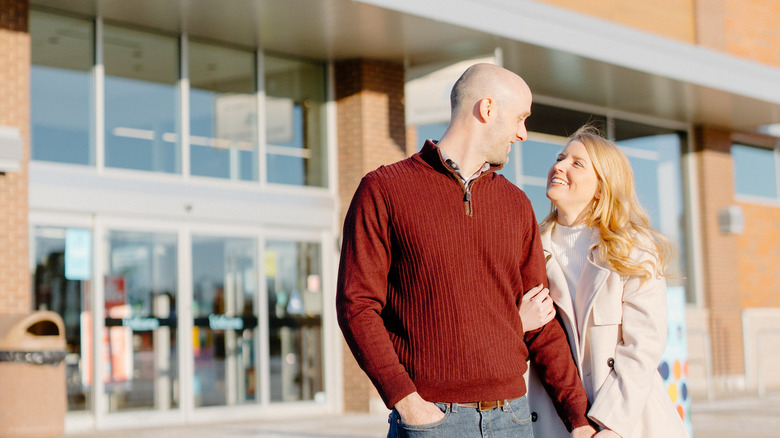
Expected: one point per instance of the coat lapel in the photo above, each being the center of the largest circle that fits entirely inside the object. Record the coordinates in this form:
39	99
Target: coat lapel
559	291
590	283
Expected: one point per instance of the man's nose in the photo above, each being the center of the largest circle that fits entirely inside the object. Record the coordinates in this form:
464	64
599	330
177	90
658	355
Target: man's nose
522	133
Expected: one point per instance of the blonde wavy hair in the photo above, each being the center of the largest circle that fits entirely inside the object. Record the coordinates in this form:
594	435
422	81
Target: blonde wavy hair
616	212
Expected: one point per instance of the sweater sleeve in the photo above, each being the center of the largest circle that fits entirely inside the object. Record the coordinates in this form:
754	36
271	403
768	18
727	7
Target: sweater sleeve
361	293
549	350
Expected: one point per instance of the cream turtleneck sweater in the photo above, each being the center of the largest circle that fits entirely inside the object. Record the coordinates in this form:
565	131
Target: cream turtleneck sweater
570	246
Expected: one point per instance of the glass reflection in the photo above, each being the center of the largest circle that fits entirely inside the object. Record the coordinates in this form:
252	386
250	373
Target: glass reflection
141	100
223	112
294	275
57	288
295	120
140	353
755	172
62	54
225	322
655	155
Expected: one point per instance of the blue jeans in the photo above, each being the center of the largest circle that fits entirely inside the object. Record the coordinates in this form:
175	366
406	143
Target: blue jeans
513	420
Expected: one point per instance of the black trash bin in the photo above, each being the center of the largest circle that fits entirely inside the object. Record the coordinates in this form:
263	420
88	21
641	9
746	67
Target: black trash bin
32	376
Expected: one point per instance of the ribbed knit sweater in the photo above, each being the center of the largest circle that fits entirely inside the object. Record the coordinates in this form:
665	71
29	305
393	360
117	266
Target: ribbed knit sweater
430	281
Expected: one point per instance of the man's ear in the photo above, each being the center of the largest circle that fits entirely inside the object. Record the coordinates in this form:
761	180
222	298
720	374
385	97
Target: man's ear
486	108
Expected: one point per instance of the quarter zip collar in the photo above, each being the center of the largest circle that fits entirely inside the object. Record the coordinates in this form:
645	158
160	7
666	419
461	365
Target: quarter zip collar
436	158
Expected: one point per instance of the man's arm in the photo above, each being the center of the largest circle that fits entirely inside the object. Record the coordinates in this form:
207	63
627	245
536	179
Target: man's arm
548	347
551	357
362	292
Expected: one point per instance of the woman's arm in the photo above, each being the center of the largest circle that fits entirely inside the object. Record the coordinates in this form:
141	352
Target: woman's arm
536	308
624	394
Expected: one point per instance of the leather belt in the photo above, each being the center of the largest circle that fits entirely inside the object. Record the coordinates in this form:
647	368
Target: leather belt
484	405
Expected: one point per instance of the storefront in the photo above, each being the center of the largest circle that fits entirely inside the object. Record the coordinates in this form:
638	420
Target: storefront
190	165
182	223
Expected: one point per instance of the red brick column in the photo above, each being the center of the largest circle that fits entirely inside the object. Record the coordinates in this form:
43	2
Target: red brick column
371	132
720	255
14	112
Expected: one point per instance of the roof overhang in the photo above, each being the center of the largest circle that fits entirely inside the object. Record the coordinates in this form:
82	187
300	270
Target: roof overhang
564	56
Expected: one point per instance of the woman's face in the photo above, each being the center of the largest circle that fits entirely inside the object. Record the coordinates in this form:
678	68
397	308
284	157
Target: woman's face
572	183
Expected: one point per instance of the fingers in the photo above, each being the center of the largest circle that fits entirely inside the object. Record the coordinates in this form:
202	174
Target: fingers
549	317
531	293
537	294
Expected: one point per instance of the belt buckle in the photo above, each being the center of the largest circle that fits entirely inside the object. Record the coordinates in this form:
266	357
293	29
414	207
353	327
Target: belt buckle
486	405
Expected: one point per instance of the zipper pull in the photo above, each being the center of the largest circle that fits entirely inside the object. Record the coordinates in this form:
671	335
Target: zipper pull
467	199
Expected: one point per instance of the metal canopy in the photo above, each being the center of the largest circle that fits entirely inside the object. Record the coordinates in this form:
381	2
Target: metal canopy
592	63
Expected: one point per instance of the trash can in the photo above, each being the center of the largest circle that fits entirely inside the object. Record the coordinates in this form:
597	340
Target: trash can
32	376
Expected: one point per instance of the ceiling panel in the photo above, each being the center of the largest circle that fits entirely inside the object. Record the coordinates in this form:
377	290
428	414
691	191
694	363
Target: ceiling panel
332	30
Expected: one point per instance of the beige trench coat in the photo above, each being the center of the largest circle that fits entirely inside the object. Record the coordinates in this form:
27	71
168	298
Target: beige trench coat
617	340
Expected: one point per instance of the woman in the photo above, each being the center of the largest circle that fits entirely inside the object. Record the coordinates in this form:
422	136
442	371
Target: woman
605	266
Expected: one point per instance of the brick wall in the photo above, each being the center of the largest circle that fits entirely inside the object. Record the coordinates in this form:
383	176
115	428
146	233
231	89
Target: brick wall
371	132
719	251
744	28
759	256
668	18
14	112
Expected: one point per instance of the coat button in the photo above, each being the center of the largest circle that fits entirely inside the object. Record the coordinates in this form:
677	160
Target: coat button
534	417
611	362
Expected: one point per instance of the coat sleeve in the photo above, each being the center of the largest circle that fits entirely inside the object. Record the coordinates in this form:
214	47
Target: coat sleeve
361	293
625	392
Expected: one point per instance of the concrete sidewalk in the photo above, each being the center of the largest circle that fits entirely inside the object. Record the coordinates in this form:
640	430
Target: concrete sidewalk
743	417
726	418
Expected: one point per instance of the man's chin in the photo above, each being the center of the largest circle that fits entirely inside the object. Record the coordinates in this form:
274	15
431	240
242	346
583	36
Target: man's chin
499	162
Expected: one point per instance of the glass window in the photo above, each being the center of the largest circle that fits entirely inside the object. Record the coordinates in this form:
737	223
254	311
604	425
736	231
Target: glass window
224	290
141	361
62	51
294	275
295	121
60	273
432	131
141	100
534	158
755	171
529	161
655	156
560	122
223	112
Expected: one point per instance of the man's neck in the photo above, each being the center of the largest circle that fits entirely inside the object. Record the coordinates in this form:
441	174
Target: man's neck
469	163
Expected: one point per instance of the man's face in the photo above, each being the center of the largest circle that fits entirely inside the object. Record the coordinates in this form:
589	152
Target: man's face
508	124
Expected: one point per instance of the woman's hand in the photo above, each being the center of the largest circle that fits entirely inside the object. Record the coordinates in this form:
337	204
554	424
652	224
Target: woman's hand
536	308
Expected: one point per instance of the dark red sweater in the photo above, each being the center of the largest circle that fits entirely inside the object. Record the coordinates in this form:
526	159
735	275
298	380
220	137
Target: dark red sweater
428	294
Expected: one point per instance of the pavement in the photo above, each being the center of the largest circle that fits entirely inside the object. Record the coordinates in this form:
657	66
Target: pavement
743	417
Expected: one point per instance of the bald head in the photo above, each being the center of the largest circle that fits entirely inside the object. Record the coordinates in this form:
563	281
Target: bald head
485	80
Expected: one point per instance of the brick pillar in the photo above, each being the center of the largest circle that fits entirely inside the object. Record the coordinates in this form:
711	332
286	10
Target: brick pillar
14	112
720	253
371	132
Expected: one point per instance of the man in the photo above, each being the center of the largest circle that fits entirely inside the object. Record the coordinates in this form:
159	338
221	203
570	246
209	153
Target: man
437	251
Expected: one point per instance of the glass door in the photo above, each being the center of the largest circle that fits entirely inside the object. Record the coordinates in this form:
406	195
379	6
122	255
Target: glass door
224	273
140	351
294	280
61	272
